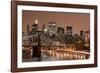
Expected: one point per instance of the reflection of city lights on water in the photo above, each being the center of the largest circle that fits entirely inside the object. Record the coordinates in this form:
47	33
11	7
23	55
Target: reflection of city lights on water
31	52
57	54
62	55
81	57
84	57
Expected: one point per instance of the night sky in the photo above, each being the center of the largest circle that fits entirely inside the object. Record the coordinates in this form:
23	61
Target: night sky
78	21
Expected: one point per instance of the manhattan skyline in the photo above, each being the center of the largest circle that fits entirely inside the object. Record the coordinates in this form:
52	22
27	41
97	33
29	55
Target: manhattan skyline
80	21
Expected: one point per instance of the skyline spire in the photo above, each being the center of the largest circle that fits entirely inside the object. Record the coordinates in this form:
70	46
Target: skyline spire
36	21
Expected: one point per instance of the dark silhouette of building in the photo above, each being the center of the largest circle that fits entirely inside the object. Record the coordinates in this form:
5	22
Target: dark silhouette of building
87	40
43	27
87	36
82	33
60	30
52	28
82	39
69	30
23	34
69	36
27	29
35	26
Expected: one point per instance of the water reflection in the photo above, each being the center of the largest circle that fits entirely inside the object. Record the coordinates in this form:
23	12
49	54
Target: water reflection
53	54
57	55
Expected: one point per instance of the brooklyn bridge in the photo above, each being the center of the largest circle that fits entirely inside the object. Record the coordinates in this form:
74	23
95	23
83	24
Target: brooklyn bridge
54	53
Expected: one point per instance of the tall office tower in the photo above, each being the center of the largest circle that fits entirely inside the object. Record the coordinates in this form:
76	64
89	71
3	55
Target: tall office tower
69	37
82	34
87	36
87	40
60	30
60	35
36	40
52	28
23	34
69	30
35	26
27	29
43	27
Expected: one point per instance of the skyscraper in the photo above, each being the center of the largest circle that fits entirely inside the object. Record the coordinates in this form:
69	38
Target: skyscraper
69	30
87	40
69	37
35	26
52	28
82	34
87	36
27	29
60	30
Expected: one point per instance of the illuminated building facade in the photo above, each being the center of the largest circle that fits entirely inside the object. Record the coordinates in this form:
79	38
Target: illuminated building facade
35	26
60	30
69	30
52	28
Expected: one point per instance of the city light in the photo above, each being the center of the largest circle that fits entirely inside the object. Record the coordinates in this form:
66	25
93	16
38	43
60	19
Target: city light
53	43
